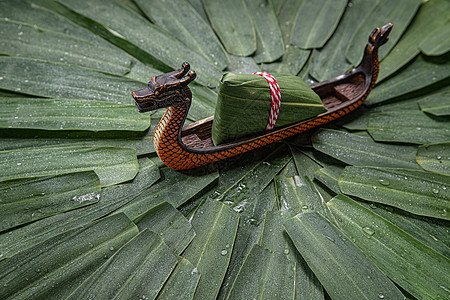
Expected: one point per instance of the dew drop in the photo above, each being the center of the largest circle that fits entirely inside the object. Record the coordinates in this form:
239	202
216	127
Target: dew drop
252	221
19	163
20	33
384	181
444	212
111	248
435	191
330	238
1	78
439	157
286	251
374	187
381	296
239	208
368	230
224	252
305	207
444	187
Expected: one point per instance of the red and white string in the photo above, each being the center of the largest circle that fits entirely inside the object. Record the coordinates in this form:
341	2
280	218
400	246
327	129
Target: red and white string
276	98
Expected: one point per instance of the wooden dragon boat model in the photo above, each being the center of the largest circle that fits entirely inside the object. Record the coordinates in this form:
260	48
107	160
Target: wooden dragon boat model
191	146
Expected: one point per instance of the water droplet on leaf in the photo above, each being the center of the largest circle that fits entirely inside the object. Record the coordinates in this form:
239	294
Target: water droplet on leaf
368	230
384	181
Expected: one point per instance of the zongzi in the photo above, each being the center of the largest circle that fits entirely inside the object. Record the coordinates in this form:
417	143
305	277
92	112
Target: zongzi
244	104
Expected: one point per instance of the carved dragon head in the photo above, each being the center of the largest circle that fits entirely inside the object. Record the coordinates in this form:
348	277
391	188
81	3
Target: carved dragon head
165	90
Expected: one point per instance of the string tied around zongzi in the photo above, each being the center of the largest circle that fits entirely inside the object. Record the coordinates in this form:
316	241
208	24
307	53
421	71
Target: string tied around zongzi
275	94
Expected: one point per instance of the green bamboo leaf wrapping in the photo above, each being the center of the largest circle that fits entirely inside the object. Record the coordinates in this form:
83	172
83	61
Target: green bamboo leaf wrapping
70	114
400	13
56	267
232	23
363	151
341	267
112	197
401	257
417	192
436	104
134	30
268	35
23	40
27	200
56	80
329	61
430	15
434	158
316	22
417	75
112	165
215	224
179	18
264	275
437	43
243	105
170	224
181	283
274	238
408	126
137	270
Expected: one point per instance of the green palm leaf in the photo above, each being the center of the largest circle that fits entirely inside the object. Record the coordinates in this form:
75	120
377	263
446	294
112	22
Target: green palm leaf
68	123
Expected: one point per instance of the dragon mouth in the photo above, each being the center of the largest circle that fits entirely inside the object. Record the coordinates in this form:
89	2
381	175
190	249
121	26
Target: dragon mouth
143	94
145	99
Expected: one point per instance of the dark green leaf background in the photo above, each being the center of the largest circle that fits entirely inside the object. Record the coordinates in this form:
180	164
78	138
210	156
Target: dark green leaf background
355	210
